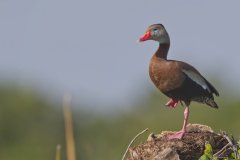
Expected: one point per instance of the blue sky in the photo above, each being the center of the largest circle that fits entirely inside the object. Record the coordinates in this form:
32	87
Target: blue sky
89	49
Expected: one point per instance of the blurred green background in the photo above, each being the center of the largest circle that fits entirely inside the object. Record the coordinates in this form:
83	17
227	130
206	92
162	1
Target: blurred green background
31	125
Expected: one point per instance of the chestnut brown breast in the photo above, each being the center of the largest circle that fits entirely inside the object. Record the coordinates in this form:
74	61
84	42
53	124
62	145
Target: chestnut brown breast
166	75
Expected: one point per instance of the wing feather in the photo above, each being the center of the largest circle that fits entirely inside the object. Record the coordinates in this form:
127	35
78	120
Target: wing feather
195	75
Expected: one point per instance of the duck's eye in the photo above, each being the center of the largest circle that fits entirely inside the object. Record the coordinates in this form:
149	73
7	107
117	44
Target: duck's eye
156	31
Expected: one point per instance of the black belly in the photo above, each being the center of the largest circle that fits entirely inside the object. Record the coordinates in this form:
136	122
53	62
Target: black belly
189	91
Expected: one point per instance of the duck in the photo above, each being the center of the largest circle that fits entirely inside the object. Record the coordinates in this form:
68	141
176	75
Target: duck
178	80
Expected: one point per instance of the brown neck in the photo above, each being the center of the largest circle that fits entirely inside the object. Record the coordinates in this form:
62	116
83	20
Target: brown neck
162	50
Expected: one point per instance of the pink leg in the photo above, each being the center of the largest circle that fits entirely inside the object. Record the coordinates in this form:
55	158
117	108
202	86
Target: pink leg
180	134
172	103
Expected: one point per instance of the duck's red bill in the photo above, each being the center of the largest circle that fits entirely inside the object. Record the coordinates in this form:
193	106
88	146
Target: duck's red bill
146	36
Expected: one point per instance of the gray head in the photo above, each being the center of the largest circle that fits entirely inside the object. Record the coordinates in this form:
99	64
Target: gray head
156	32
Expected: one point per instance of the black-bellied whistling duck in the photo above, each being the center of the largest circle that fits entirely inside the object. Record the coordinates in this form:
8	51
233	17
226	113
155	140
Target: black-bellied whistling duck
177	80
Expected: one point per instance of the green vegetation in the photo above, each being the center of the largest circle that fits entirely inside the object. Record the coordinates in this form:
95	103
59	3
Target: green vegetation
208	153
31	126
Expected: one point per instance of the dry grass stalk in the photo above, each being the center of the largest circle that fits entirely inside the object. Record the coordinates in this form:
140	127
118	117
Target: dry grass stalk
132	142
58	152
71	153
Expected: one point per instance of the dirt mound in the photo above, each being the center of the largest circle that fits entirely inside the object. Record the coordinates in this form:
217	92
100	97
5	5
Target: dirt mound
191	147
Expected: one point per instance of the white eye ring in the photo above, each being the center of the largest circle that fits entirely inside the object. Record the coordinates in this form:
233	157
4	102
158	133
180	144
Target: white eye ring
156	32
